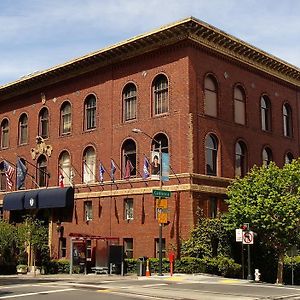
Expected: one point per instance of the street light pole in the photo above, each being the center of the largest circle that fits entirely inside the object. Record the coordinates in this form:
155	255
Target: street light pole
137	130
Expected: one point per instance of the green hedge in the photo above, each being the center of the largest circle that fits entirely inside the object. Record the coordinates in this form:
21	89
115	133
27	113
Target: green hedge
223	266
291	263
60	266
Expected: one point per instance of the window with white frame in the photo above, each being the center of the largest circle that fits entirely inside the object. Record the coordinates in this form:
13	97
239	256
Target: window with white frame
44	123
163	247
128	209
63	247
90	112
160	95
65	118
65	167
88	210
23	129
128	247
129	102
89	165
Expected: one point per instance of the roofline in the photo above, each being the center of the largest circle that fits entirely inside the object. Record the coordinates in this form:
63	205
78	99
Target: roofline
188	28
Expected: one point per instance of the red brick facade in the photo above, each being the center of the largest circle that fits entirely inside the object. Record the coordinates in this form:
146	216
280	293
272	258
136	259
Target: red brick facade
185	62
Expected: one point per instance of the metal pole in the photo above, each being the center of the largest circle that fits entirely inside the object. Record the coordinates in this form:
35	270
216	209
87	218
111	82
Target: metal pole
71	256
160	225
249	277
243	261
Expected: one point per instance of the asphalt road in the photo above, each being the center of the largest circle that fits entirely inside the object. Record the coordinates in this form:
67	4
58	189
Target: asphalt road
160	288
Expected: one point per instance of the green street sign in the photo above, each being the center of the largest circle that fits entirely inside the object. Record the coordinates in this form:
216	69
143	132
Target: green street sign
161	193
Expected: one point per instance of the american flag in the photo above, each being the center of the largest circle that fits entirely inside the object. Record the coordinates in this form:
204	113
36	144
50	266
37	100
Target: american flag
128	169
61	180
9	173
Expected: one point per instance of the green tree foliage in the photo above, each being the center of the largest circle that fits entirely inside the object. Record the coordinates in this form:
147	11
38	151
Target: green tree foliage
268	199
32	233
208	239
7	242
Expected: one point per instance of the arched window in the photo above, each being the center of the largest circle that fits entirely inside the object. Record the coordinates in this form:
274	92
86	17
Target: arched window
65	167
239	105
23	129
44	123
265	111
162	139
42	173
288	158
160	95
211	96
89	165
90	112
4	133
240	159
65	118
129	102
266	156
129	158
287	120
211	154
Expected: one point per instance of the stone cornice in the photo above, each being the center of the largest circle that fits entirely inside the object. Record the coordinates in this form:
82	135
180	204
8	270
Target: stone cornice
188	29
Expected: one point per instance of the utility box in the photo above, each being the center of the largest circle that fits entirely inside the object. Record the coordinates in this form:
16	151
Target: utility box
141	266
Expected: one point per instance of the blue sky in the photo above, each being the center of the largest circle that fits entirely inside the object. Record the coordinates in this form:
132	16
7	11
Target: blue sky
38	34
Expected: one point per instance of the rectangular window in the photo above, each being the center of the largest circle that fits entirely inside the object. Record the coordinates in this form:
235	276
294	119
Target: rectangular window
128	247
128	209
63	247
163	244
88	210
213	207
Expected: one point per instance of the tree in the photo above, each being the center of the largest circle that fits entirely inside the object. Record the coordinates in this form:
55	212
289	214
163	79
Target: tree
7	242
32	234
208	239
268	199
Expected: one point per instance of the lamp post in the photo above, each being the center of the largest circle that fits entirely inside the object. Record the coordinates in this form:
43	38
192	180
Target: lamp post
137	130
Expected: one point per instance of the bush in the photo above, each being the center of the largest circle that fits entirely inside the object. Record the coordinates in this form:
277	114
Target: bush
291	263
55	266
221	265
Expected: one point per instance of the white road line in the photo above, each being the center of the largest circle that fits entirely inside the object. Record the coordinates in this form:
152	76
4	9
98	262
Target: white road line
36	293
154	284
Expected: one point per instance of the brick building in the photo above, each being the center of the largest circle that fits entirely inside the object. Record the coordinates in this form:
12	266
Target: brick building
216	104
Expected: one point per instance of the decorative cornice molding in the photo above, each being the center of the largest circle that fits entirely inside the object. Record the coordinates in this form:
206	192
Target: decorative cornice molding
187	29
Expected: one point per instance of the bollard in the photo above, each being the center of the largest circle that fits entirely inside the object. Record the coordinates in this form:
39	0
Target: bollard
256	275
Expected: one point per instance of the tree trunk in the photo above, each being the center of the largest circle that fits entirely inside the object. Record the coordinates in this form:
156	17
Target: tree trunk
279	279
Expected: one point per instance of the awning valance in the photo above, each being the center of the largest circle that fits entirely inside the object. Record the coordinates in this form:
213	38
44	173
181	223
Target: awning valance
13	201
46	198
61	197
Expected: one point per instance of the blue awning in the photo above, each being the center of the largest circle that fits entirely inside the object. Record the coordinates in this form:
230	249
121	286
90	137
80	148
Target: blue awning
13	201
57	197
31	199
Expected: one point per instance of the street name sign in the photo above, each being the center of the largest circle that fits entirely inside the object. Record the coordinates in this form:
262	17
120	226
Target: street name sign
161	193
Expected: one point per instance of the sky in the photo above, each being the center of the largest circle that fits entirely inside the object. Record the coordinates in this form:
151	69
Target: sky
39	34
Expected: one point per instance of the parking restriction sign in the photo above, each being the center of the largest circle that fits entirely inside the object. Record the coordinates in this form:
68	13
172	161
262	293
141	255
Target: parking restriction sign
248	237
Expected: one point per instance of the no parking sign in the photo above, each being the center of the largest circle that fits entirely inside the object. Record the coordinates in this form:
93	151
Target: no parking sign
248	237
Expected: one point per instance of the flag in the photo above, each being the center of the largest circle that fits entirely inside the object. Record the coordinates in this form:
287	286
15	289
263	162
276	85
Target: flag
113	169
101	172
9	173
146	171
128	169
21	173
61	180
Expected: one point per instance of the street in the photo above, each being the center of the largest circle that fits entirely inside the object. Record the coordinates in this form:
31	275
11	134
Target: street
114	288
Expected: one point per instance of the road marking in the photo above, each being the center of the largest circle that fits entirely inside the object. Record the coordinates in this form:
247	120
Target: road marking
154	284
36	293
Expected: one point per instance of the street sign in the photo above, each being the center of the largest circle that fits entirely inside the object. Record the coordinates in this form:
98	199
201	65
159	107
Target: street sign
239	235
248	237
162	210
161	193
